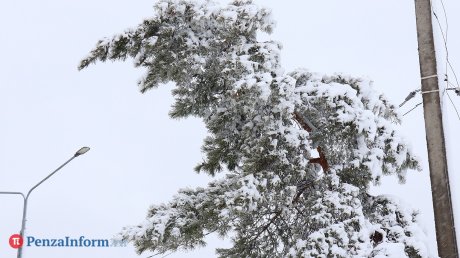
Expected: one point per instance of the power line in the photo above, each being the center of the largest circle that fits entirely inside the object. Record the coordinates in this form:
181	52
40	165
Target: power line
413	108
453	72
409	97
444	34
448	64
413	93
444	38
455	108
454	88
442	201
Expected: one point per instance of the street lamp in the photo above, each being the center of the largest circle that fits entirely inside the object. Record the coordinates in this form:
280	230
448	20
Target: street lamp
81	151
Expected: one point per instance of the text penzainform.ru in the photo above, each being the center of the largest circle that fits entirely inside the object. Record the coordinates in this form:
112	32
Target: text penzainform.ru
73	242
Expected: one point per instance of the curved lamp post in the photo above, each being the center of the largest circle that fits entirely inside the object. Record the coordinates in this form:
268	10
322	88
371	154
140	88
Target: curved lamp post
81	151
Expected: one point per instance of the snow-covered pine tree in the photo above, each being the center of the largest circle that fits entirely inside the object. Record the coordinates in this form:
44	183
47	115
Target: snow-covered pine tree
298	151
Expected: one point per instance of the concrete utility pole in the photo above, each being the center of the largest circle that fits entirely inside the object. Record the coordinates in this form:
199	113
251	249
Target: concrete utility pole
442	204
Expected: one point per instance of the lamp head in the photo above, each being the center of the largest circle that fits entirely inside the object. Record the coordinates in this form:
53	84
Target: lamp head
81	151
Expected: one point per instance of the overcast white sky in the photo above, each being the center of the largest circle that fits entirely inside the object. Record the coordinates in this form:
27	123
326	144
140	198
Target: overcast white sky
139	156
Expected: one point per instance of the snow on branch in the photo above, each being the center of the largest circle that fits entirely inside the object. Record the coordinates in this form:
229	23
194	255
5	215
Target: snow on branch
275	199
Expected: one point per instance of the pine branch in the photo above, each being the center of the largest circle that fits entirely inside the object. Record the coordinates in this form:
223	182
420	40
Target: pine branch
322	157
277	214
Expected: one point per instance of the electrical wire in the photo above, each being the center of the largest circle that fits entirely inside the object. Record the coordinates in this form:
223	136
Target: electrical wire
448	67
413	108
453	72
448	64
409	97
444	37
451	101
454	87
445	41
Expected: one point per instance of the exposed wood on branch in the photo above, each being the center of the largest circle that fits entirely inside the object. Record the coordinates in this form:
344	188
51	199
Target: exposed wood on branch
322	158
